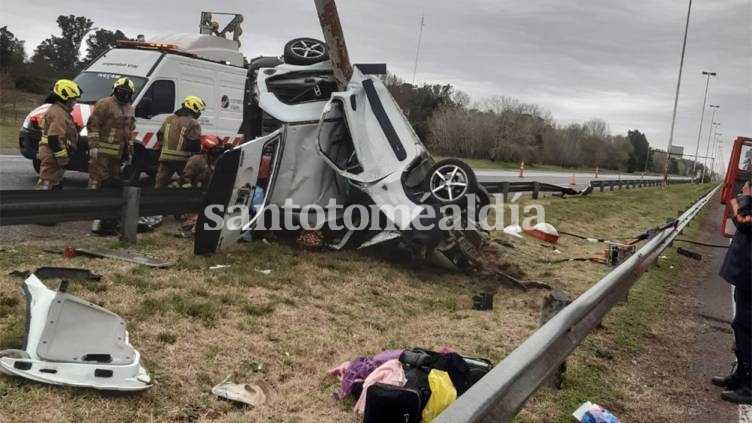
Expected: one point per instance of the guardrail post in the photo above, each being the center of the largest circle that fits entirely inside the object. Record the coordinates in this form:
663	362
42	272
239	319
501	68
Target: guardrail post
505	191
552	305
129	215
536	190
611	185
600	184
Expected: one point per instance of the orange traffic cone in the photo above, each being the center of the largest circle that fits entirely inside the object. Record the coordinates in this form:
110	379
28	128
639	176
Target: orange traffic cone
522	169
573	181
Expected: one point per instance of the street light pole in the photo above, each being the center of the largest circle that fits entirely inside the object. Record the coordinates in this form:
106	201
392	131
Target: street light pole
647	159
676	97
702	117
716	147
713	125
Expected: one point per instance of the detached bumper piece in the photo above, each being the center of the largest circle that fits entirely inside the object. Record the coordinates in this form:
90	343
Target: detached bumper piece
72	342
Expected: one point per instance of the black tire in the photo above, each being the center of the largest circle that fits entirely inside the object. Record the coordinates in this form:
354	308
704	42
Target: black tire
460	172
37	165
305	51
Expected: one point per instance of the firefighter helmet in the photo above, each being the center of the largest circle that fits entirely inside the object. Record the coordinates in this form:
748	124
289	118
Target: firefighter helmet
194	104
66	89
123	83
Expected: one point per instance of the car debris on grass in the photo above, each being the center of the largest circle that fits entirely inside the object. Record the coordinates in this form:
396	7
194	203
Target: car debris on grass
72	342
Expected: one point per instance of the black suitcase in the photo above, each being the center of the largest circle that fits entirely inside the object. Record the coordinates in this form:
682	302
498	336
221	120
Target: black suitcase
392	404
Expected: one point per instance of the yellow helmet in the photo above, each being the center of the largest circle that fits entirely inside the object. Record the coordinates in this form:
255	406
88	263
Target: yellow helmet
124	83
66	89
194	104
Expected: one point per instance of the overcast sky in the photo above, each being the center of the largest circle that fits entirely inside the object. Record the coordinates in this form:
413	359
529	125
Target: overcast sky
611	59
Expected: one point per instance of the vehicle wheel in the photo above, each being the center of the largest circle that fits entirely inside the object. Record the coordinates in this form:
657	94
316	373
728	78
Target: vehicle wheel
305	51
451	181
37	165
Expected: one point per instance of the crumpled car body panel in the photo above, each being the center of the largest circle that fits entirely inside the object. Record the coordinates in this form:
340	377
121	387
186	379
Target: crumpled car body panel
72	342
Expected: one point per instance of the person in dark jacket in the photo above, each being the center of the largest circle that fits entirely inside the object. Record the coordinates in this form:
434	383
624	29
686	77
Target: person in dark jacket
737	270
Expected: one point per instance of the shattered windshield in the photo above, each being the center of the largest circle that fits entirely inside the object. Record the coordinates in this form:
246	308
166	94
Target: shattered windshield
96	85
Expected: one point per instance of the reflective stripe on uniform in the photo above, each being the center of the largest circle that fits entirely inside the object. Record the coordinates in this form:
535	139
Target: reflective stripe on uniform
61	153
108	149
110	146
176	154
181	138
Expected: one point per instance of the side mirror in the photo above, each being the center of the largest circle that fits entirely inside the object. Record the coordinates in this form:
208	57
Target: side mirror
143	110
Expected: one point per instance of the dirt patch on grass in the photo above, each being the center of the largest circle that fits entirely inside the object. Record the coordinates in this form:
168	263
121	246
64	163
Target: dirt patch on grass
194	326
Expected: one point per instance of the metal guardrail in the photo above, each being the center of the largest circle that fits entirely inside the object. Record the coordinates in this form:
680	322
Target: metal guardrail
22	207
500	395
506	187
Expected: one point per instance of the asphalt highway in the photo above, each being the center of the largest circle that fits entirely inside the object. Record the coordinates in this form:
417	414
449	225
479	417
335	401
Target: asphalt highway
16	172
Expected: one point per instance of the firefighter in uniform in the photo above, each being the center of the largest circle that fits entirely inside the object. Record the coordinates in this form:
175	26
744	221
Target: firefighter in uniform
109	132
59	134
180	136
198	169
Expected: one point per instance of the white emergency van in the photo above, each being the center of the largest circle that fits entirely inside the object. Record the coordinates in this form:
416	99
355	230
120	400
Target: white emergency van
164	71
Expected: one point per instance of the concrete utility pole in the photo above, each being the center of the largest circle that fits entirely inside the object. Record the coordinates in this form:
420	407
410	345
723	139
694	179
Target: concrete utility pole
676	97
335	40
702	116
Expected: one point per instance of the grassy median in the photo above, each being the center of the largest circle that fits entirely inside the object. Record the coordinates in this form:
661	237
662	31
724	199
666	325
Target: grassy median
194	326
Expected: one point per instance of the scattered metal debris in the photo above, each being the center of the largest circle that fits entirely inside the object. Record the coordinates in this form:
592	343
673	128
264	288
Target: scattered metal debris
514	230
264	271
513	282
72	273
218	266
483	301
689	254
72	342
128	256
249	394
148	223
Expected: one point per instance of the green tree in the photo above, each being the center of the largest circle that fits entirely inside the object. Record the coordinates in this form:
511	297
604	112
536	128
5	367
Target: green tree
11	49
420	102
101	41
60	54
640	151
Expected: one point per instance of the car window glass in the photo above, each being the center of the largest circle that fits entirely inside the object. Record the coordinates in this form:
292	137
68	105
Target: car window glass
336	141
745	159
96	85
